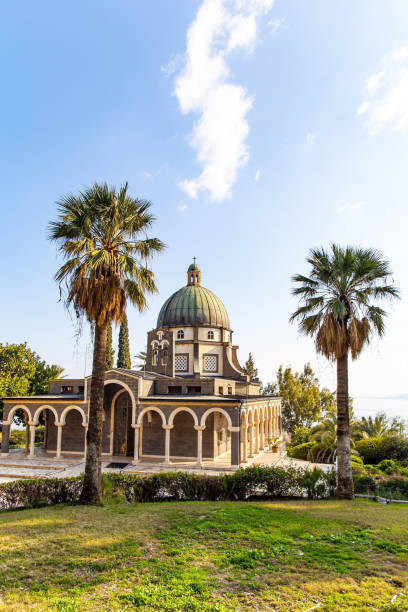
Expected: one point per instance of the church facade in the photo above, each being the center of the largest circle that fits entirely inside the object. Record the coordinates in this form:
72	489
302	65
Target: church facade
192	402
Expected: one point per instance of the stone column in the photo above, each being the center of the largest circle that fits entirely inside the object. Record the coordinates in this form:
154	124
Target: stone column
136	453
32	438
244	437
167	429
270	434
5	439
251	440
256	450
59	438
199	429
235	450
262	441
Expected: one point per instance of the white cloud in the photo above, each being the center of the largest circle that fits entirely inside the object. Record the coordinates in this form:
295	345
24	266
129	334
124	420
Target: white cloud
257	175
204	87
310	138
352	208
182	207
385	95
275	24
150	176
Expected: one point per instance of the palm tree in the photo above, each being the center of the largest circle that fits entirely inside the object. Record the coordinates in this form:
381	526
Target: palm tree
142	357
325	436
380	425
101	233
339	311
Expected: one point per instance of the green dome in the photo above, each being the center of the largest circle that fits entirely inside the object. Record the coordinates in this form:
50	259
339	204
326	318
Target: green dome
194	267
193	305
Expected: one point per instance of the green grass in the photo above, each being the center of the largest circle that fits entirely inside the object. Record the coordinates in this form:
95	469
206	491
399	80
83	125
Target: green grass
206	556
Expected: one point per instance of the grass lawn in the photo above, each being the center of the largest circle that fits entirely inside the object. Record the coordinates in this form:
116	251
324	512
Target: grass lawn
206	556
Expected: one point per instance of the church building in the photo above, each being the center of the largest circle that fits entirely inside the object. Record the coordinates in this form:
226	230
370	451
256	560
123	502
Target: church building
192	403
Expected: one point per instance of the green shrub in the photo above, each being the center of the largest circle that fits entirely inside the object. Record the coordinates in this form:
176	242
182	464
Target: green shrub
249	483
376	449
32	493
314	483
301	435
301	451
17	438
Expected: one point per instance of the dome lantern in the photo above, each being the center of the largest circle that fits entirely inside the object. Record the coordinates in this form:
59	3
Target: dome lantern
194	274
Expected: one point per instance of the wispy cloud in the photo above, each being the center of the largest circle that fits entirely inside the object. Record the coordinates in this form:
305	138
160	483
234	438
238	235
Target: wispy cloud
257	176
204	87
276	24
385	95
310	138
172	65
183	207
352	208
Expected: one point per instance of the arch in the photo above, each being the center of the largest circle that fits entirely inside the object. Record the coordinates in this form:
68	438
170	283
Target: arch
40	409
12	412
72	407
115	381
210	410
250	417
154	343
164	343
181	409
149	409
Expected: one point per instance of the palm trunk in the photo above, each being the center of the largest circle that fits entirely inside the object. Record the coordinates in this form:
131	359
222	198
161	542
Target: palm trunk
92	487
345	487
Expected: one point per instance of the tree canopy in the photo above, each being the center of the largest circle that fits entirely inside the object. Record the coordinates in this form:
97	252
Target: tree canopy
23	372
250	368
303	401
124	360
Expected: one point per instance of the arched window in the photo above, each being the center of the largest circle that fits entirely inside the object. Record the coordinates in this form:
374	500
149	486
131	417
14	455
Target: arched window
165	356
210	335
180	334
154	359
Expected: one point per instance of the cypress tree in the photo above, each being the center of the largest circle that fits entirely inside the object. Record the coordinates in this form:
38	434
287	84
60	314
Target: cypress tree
250	368
123	348
109	350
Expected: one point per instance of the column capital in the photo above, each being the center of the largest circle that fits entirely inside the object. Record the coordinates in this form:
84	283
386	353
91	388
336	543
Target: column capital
6	423
31	424
136	426
199	427
168	427
234	428
59	424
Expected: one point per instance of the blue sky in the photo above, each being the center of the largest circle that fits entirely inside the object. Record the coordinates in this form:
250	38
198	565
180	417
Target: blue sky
291	132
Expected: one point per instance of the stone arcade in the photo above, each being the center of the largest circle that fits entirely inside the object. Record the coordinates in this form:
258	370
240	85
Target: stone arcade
193	403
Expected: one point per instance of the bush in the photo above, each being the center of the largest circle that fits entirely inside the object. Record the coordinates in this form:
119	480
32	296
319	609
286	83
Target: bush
250	483
32	493
376	449
301	451
301	435
17	438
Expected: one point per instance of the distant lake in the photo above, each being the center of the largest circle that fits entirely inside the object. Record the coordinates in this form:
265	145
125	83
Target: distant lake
365	406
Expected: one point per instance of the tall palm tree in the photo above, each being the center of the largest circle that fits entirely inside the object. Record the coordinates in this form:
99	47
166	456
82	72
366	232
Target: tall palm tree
101	233
339	311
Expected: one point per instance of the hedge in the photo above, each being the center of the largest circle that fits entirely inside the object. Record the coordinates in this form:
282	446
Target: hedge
301	451
31	493
250	483
394	488
376	449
